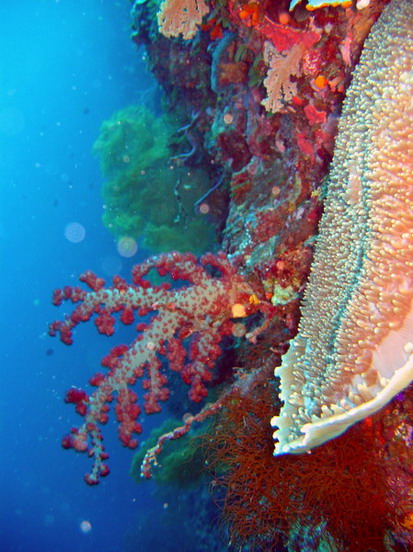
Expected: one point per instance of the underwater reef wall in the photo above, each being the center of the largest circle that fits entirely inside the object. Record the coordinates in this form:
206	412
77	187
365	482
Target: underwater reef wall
298	65
257	88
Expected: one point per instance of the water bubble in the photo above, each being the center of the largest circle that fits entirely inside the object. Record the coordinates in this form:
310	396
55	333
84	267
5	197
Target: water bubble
204	208
239	329
75	232
127	247
85	526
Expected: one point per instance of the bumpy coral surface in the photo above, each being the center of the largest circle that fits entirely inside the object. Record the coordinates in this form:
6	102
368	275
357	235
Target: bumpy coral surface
353	352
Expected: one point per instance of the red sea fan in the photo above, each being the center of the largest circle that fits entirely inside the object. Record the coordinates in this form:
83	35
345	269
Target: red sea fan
344	487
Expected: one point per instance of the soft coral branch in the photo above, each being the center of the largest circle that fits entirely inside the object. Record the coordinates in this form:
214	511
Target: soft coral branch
186	329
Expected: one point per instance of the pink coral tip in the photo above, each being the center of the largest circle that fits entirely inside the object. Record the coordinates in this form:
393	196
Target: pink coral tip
91	479
104	470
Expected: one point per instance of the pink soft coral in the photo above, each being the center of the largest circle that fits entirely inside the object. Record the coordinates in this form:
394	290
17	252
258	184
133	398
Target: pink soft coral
198	314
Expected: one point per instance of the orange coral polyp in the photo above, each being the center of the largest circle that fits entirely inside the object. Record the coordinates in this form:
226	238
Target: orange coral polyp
320	81
250	12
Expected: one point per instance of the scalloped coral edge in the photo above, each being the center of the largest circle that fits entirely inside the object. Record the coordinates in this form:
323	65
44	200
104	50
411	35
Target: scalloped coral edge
316	433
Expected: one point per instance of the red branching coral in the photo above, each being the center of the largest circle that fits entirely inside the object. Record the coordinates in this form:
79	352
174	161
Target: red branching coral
186	329
347	486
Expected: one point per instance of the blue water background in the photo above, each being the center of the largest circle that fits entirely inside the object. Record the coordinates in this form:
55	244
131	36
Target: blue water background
65	66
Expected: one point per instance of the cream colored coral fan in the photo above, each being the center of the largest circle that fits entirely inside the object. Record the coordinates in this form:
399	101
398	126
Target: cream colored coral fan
183	17
354	348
